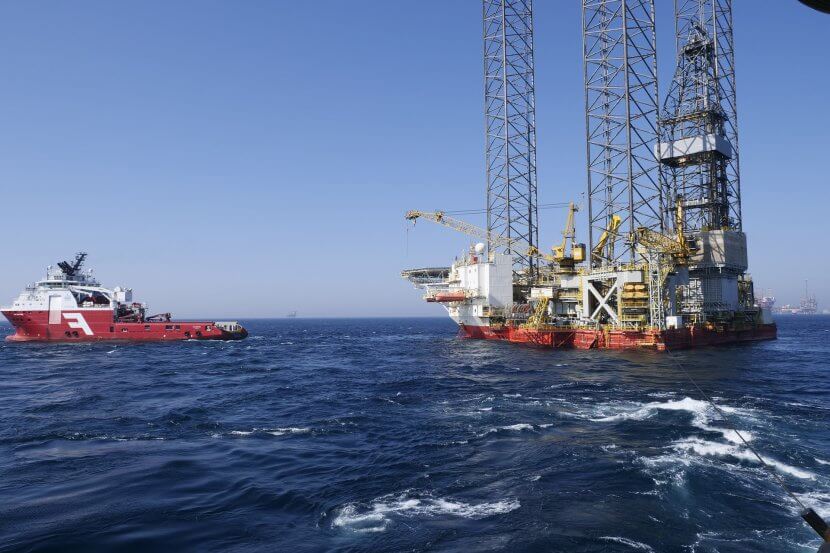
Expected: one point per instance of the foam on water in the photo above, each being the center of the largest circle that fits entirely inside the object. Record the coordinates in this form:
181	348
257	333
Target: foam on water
271	431
702	414
636	545
688	451
376	516
519	427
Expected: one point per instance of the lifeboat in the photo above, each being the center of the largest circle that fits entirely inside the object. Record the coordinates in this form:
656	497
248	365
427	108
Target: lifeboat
449	297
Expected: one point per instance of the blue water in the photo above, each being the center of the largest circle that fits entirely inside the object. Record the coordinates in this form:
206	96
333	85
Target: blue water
391	435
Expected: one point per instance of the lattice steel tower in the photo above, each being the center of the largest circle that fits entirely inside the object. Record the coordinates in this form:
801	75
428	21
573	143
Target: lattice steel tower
621	106
510	122
698	127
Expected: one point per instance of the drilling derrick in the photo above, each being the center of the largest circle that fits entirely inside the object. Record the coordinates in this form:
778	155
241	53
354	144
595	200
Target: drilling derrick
714	19
621	106
510	123
699	155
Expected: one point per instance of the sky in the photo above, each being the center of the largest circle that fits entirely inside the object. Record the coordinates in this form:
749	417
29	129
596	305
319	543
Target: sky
252	158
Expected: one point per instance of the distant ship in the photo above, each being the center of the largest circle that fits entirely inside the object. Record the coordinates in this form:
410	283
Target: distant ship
69	305
292	315
766	301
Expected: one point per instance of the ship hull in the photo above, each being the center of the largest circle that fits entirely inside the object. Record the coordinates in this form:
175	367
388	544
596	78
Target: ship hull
96	325
658	340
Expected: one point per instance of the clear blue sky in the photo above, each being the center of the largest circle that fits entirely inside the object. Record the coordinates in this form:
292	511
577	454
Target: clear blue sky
250	158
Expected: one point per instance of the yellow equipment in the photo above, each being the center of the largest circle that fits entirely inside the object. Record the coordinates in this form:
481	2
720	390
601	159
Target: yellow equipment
559	256
660	243
675	246
577	253
607	239
540	314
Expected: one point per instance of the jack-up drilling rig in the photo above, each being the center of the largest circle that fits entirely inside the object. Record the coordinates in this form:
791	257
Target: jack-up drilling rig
665	264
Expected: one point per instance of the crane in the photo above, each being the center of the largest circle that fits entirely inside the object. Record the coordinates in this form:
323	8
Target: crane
569	233
461	226
559	256
606	239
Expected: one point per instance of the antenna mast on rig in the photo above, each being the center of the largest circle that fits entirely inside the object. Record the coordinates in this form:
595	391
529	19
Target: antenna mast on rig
510	130
621	107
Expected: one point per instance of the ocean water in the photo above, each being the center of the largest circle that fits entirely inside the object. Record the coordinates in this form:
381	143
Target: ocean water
395	435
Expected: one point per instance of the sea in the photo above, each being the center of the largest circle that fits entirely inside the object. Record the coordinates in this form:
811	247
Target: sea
397	435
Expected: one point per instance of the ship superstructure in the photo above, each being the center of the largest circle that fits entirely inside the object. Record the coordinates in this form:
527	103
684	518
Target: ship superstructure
71	305
666	259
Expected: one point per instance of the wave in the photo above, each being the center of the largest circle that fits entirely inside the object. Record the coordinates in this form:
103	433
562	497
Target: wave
716	449
272	431
519	427
639	546
377	516
702	414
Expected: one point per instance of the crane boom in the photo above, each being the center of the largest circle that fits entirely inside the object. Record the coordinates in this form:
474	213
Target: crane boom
471	230
661	243
560	255
607	238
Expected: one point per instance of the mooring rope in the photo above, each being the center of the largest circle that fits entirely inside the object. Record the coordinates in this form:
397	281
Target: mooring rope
809	515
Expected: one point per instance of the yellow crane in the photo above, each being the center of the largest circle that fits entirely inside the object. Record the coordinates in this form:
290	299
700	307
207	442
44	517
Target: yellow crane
560	252
676	246
607	239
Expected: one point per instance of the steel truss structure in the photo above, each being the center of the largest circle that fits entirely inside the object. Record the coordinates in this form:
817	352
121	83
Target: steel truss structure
510	130
621	106
702	102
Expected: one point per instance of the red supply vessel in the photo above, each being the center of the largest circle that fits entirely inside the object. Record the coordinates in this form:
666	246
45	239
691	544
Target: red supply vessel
69	305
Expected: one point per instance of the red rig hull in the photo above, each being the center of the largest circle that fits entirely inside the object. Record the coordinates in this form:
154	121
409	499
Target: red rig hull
659	340
97	325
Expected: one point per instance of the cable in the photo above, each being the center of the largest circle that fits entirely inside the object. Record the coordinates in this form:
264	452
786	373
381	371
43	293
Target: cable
556	205
733	427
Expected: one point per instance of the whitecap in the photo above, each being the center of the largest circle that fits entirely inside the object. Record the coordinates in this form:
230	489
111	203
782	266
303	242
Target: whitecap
639	546
707	448
519	426
377	516
702	412
512	427
289	430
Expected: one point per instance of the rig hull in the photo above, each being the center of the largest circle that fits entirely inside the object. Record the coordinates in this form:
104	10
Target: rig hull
658	340
96	325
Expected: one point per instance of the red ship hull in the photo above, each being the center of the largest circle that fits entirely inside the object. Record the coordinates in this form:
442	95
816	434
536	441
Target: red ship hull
97	325
659	340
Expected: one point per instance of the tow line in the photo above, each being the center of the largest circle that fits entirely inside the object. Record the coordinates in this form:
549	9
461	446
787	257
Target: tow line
809	515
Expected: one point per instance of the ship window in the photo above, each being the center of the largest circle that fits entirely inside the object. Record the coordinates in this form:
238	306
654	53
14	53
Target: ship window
178	327
168	327
123	330
112	329
146	327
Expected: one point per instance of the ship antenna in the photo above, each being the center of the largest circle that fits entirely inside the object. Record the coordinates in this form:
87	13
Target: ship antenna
73	268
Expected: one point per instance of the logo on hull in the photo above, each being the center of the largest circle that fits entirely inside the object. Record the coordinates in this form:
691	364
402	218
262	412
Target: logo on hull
76	320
